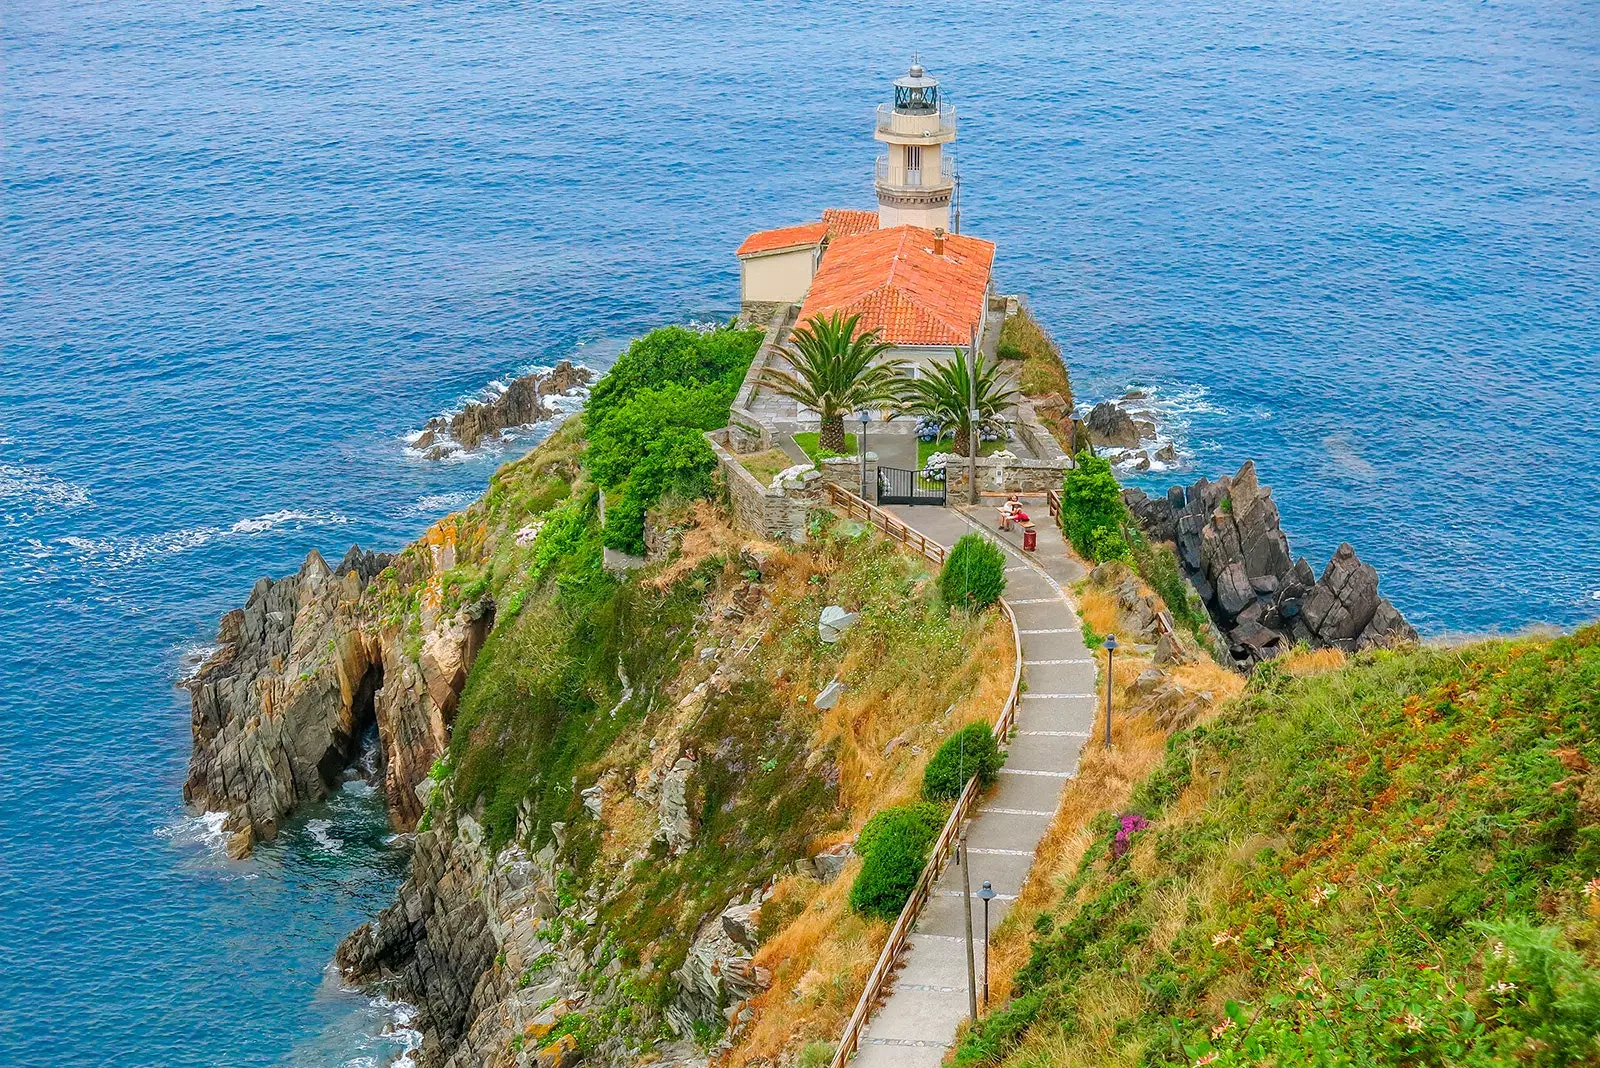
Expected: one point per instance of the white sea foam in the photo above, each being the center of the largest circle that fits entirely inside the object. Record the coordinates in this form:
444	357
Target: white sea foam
434	505
121	552
204	830
190	657
30	490
321	833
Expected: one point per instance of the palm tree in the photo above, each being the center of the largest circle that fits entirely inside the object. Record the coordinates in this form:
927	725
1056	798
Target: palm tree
945	394
836	372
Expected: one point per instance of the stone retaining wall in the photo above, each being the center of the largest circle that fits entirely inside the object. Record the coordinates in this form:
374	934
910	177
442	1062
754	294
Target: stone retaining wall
762	510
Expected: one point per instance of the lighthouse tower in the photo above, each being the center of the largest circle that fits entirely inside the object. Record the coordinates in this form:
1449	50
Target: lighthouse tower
916	175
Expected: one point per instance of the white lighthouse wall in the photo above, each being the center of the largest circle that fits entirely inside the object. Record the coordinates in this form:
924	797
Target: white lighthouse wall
778	277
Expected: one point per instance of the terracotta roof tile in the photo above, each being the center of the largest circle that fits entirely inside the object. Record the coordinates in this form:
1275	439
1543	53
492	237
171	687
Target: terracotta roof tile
784	237
843	222
892	279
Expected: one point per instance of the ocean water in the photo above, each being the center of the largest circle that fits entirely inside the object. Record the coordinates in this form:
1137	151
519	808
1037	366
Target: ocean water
249	246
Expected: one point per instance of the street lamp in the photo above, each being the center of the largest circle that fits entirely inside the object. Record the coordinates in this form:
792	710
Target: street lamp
987	893
1111	652
863	444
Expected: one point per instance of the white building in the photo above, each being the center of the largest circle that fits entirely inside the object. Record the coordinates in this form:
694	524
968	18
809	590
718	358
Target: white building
922	289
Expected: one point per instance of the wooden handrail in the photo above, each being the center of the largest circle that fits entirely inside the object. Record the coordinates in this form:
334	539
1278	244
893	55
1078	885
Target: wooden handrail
856	508
850	1040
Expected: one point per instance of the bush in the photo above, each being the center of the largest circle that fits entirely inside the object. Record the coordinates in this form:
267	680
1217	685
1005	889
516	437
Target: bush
894	849
970	751
646	420
1092	512
974	574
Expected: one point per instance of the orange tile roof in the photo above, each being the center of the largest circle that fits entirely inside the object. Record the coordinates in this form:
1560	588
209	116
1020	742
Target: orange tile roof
784	237
892	279
842	222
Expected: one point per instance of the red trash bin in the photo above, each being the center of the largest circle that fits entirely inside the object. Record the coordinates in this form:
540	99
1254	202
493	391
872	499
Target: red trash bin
1030	538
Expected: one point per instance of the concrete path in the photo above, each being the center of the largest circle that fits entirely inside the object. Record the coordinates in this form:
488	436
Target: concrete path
917	1023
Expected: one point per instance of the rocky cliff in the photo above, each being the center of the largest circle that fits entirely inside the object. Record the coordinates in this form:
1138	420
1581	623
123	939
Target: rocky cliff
278	711
312	661
1234	551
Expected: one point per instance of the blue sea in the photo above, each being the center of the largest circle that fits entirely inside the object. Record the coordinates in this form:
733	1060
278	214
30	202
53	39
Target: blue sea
250	245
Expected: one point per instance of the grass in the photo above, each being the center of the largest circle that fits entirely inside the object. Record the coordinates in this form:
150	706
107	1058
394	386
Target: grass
544	716
1386	861
1043	371
808	444
765	466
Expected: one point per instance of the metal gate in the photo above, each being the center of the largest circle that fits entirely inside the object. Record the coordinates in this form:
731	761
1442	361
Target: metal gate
898	486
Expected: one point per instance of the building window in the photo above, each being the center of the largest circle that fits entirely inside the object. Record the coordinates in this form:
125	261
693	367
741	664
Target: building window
913	164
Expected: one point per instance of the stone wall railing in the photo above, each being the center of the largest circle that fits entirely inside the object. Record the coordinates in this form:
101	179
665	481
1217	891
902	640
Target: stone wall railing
763	510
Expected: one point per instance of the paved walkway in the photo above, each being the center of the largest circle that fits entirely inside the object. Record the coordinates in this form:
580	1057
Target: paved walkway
928	999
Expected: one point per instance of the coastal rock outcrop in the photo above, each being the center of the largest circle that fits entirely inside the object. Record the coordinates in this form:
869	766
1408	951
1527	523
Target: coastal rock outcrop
1234	551
521	404
1111	426
312	662
278	711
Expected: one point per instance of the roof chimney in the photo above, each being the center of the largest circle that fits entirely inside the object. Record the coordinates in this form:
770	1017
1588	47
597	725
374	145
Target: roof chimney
938	241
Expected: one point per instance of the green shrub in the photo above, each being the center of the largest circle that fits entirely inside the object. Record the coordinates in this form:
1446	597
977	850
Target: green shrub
1092	512
974	574
646	421
970	751
894	849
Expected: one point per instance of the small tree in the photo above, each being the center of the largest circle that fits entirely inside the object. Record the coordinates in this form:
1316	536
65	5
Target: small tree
1092	512
970	751
836	372
894	849
974	575
946	393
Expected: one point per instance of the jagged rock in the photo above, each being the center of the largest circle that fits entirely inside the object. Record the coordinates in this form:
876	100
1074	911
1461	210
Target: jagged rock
833	622
594	799
1232	548
562	1053
1111	427
522	404
718	971
829	863
675	820
278	711
1169	651
829	696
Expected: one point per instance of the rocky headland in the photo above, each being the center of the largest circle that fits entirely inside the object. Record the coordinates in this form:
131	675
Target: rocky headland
524	402
1233	550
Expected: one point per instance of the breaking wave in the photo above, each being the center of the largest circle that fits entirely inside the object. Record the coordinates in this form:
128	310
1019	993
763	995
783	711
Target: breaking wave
114	553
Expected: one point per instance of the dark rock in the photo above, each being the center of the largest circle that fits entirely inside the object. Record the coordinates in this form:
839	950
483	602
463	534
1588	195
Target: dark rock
1233	589
521	404
1231	546
1111	427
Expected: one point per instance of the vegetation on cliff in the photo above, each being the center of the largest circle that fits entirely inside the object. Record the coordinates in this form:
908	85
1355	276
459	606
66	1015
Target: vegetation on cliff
648	746
647	418
1390	861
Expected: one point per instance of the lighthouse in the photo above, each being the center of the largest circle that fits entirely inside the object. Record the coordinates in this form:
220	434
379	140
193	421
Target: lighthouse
916	173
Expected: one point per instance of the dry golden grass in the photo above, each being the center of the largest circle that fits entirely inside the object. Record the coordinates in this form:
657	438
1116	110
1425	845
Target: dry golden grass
820	959
1312	661
819	963
707	534
1098	607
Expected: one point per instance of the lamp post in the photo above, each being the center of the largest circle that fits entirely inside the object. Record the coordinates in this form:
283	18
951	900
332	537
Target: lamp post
863	444
965	859
1111	652
987	894
972	418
